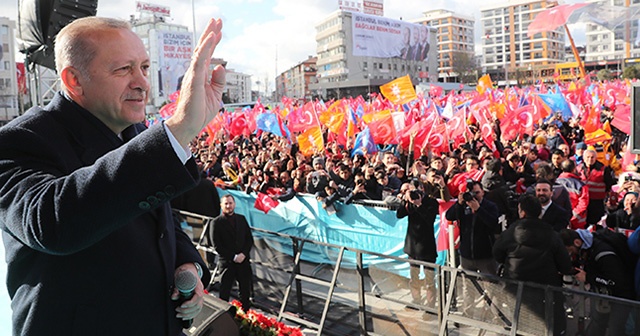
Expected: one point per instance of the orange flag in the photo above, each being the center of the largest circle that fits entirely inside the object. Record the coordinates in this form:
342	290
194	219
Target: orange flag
399	91
334	116
311	141
484	83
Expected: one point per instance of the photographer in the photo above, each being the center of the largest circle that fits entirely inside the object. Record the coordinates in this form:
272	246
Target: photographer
478	221
419	243
435	186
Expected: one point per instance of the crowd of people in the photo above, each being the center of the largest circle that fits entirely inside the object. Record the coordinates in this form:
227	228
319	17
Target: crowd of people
571	187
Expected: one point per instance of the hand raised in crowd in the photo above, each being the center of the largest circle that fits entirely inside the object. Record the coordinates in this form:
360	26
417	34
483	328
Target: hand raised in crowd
200	100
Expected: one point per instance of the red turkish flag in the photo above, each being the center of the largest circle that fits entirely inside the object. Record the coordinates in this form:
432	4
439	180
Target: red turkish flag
457	125
265	203
303	118
383	130
239	124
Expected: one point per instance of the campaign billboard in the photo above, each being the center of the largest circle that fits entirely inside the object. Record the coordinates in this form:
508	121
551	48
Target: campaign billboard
175	50
376	36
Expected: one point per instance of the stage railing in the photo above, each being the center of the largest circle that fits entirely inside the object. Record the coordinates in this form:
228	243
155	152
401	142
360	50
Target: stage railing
377	300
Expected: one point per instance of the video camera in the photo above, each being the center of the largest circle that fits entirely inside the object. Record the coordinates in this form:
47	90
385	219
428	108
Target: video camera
467	196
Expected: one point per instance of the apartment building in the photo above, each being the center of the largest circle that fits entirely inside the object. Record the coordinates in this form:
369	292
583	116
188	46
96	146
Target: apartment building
454	33
348	67
622	42
9	95
294	82
505	44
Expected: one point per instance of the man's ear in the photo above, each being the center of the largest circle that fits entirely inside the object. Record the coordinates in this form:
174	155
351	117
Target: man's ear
71	79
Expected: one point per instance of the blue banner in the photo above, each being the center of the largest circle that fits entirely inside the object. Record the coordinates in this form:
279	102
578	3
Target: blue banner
367	228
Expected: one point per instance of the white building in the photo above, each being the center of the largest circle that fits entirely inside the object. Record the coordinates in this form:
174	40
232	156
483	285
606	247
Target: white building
342	74
454	34
238	88
9	96
506	45
604	44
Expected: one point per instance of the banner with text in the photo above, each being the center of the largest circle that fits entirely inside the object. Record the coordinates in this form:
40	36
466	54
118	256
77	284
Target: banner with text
175	50
376	36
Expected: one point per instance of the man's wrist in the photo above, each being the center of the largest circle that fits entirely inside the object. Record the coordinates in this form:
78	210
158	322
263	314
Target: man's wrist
198	269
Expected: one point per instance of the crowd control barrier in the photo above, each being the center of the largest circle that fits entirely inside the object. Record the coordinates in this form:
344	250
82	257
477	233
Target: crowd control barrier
336	296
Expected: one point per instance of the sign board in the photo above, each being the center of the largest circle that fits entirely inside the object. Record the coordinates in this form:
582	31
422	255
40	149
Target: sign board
175	50
373	7
376	36
144	7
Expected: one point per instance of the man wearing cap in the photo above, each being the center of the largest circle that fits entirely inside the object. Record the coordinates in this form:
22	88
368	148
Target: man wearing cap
580	148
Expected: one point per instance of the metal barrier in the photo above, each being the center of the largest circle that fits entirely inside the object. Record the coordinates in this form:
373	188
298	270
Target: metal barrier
377	300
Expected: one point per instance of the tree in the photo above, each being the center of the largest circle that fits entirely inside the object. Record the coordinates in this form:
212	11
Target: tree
465	66
604	74
631	72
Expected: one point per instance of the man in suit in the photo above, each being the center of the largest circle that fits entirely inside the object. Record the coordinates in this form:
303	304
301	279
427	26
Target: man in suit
232	240
551	213
91	243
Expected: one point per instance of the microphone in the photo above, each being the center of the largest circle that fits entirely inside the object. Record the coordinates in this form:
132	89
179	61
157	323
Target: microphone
186	284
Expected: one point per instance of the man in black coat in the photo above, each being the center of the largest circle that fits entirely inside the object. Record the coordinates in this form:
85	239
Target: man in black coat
232	240
478	221
419	243
91	244
531	251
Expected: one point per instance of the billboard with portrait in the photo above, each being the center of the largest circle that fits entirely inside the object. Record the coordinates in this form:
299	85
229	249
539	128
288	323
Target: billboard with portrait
175	50
376	36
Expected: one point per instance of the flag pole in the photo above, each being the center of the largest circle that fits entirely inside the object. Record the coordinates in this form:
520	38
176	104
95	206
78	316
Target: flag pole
575	52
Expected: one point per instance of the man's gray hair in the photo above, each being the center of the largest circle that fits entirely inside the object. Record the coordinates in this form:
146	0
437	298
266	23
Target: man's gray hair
73	45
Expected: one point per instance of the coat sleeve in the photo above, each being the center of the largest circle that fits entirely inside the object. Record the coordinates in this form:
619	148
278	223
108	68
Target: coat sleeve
501	245
220	238
488	215
46	205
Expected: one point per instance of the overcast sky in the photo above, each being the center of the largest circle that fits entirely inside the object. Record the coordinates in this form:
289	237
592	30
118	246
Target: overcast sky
257	31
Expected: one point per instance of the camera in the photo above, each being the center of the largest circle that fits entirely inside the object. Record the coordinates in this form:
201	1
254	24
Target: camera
467	196
630	178
359	181
414	195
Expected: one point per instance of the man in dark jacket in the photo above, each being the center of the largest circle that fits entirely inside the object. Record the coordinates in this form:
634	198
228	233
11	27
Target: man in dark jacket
419	243
496	189
91	243
531	251
478	221
232	240
607	274
552	213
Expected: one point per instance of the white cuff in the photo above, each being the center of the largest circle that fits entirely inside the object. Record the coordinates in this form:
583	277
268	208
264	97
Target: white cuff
183	153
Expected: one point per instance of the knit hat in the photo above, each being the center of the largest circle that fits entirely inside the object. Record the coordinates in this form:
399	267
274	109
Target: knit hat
318	160
541	140
581	145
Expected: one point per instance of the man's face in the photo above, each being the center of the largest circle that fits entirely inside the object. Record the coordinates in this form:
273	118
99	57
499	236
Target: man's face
431	177
344	174
543	193
629	201
589	158
389	159
116	88
227	205
564	148
471	165
415	36
478	193
406	35
556	159
424	35
437	164
284	177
